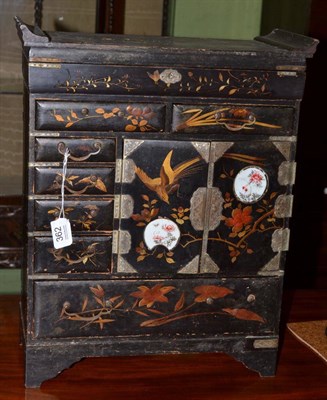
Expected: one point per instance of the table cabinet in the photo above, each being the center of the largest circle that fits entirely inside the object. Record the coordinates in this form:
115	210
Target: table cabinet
178	189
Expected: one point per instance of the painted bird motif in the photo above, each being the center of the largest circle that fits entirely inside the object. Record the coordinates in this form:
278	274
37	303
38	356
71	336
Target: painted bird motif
168	181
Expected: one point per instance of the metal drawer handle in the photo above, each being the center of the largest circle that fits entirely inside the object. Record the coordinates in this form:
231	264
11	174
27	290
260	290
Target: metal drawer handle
235	128
62	147
235	119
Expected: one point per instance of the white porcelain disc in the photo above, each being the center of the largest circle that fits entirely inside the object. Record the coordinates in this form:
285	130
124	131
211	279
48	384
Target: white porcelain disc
250	184
161	232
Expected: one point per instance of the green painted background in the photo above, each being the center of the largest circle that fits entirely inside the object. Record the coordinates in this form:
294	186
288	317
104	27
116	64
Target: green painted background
225	19
10	281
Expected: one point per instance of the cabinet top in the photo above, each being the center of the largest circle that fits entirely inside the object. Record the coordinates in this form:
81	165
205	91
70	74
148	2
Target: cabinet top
278	48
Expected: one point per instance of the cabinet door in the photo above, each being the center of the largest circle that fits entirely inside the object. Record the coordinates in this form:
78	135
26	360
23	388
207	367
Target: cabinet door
203	207
255	179
161	206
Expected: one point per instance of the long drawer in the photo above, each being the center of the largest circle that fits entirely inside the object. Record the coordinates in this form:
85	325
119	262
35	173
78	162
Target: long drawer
199	307
217	82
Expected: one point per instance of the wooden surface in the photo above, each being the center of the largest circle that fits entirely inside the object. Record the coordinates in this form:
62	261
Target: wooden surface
301	374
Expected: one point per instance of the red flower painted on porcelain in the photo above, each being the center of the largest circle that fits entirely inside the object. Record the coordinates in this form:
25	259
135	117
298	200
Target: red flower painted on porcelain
149	296
157	238
206	292
256	178
168	228
240	218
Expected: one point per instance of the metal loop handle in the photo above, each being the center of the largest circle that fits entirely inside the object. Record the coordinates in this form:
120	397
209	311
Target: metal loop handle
234	123
62	148
234	127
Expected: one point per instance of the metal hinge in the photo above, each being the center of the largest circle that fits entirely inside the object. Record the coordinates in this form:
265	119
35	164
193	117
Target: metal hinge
121	242
123	206
286	173
283	206
125	171
280	240
118	170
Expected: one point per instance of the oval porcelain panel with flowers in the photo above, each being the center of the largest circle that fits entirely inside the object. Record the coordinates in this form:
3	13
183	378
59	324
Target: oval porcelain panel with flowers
250	184
161	232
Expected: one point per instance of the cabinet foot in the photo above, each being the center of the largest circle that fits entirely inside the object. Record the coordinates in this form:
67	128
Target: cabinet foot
42	363
263	362
47	361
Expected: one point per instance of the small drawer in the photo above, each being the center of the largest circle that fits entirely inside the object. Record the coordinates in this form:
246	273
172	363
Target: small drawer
78	181
228	118
86	254
196	307
89	215
115	117
80	150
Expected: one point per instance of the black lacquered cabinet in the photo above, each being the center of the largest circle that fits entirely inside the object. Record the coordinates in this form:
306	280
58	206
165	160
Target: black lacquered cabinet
178	190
